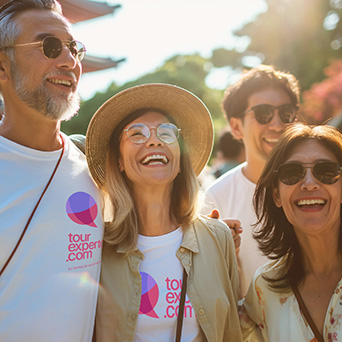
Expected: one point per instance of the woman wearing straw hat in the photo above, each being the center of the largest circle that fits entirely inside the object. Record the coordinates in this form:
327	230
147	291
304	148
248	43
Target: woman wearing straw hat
144	148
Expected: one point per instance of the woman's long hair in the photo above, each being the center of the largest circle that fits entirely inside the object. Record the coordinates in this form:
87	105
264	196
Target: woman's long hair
276	237
123	228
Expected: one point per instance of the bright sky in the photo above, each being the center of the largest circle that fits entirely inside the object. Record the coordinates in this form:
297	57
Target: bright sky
147	32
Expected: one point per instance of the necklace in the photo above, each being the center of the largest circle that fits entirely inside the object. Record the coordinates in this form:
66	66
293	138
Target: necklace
33	211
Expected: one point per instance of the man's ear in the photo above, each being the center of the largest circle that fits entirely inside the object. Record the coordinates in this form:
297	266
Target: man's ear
4	68
236	125
276	197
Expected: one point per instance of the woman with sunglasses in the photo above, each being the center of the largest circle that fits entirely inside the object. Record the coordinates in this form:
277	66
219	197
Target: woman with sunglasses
297	297
144	148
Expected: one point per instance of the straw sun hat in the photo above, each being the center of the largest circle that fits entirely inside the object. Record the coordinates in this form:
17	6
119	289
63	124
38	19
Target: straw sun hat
188	111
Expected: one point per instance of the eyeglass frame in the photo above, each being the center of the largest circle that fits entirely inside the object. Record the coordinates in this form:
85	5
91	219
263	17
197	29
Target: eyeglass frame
66	43
336	178
294	108
178	130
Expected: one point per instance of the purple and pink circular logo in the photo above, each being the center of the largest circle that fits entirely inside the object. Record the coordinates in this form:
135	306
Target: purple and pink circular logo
149	295
82	209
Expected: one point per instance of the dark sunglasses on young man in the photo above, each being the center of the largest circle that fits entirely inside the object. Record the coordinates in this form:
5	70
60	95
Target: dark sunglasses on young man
264	113
52	47
325	171
139	133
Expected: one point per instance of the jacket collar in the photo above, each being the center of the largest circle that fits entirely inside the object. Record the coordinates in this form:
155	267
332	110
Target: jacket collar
190	241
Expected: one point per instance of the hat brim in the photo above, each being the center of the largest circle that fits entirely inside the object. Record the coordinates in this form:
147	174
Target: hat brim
188	111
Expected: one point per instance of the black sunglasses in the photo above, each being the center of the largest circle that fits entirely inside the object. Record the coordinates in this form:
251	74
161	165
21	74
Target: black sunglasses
264	113
52	47
326	172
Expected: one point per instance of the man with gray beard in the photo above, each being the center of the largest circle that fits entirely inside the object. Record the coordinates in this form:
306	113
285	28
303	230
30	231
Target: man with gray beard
50	215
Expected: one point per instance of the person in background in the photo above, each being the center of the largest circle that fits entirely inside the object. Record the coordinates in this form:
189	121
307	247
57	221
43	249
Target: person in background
205	178
51	226
145	146
258	108
1	107
230	153
297	296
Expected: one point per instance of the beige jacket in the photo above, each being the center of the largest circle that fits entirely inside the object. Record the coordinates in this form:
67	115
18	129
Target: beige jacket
207	253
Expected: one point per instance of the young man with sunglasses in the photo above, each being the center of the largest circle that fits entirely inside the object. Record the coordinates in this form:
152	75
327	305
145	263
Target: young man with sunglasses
51	225
258	108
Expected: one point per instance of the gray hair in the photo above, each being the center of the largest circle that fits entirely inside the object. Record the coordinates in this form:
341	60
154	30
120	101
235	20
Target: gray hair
9	28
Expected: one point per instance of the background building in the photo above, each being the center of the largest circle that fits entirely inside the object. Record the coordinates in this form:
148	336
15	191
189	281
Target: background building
82	10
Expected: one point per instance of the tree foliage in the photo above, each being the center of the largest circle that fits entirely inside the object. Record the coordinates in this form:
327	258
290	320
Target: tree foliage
186	71
299	36
323	100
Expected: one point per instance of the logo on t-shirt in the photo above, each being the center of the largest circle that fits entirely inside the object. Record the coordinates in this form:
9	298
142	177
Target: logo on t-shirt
82	209
149	295
172	298
169	301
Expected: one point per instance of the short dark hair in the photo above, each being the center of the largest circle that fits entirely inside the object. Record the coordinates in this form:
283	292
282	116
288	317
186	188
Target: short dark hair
275	236
236	96
9	30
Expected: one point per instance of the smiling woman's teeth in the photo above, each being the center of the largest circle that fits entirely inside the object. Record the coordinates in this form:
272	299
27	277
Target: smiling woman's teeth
154	159
310	202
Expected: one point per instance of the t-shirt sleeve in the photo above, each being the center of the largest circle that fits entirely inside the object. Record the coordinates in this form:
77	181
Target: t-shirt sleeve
208	203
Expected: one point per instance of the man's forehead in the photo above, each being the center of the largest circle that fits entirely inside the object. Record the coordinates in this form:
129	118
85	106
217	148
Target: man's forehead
269	94
37	23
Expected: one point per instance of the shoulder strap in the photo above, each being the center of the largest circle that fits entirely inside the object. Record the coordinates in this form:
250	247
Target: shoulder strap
181	307
33	212
307	314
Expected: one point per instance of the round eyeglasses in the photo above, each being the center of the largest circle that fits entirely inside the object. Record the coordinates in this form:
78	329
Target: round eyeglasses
52	47
139	133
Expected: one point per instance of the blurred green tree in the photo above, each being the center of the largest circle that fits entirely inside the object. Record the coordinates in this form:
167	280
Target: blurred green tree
186	71
299	36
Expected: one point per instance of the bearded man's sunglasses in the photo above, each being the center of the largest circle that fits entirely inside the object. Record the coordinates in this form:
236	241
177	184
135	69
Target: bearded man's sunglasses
52	47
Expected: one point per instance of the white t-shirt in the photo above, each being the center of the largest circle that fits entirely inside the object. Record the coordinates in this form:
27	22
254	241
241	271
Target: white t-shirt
162	273
232	195
48	292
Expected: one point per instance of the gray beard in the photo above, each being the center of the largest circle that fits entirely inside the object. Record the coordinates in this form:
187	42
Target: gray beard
40	99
